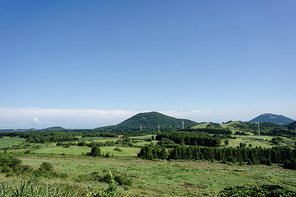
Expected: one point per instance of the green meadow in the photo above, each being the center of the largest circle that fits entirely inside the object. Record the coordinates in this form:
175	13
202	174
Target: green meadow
10	142
163	178
92	138
149	178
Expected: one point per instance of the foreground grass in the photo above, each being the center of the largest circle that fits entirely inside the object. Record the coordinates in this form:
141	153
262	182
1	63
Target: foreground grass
162	178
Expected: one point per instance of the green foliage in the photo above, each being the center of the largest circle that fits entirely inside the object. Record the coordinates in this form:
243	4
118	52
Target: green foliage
120	178
95	151
34	187
151	120
264	190
123	179
12	166
107	155
27	152
117	149
226	142
166	142
9	161
191	138
46	167
253	156
147	152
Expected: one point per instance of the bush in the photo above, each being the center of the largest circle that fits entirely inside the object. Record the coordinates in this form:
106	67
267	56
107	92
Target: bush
118	149
46	166
9	161
110	192
107	155
27	152
123	180
95	151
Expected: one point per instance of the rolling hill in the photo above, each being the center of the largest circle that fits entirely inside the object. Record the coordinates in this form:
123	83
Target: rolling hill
56	128
273	118
151	120
249	127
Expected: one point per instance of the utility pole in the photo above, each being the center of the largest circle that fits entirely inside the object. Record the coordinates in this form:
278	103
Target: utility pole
258	129
140	127
158	128
182	124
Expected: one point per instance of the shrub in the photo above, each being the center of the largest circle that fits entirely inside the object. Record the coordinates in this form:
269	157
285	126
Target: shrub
110	192
95	151
107	155
46	166
123	180
27	152
118	149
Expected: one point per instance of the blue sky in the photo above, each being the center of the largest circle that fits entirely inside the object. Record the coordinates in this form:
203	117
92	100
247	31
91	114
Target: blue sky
84	64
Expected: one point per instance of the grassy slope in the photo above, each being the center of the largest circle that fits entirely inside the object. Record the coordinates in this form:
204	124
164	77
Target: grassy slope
251	140
201	125
78	150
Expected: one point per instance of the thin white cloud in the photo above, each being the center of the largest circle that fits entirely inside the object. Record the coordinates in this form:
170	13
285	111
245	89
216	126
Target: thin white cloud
16	118
68	118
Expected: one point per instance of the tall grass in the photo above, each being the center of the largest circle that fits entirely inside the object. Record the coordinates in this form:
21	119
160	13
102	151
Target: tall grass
23	187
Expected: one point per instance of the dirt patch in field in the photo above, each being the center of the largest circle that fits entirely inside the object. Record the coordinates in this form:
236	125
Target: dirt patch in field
192	186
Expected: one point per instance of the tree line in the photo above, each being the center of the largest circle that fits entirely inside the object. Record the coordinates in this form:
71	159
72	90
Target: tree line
66	135
196	139
250	156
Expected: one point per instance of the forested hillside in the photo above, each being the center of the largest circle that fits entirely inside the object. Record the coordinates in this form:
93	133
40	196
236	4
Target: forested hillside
273	118
151	121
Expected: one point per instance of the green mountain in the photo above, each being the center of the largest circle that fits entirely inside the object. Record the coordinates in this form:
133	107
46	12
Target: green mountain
151	120
57	128
273	118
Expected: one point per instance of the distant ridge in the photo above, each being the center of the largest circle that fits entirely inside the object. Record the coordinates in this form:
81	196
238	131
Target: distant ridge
273	118
151	120
56	128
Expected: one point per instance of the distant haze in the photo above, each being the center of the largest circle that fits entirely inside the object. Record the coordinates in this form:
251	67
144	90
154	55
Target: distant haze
25	118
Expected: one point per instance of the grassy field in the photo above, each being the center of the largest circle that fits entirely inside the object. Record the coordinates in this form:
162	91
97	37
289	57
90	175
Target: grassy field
263	141
153	178
10	142
126	151
72	150
78	150
162	178
142	137
92	138
201	125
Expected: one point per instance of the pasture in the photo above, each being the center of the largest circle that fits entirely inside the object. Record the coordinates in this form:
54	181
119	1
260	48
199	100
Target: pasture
151	178
92	138
10	142
163	178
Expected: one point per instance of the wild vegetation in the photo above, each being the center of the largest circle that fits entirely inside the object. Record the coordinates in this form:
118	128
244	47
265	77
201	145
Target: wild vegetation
204	160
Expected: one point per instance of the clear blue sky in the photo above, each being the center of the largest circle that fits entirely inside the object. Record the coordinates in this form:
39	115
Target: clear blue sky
203	60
